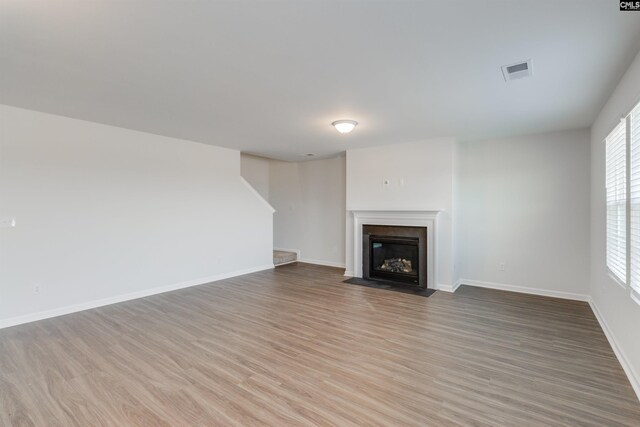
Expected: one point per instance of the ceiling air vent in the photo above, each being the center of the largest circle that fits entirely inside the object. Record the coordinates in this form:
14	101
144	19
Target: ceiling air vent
517	70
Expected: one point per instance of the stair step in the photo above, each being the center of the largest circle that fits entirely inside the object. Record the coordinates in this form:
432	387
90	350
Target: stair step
284	257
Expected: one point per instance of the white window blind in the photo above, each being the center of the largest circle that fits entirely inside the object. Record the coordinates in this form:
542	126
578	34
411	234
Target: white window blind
634	199
616	166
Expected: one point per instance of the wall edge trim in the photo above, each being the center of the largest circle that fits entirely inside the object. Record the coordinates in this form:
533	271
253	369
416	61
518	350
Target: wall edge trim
525	290
633	377
321	262
87	305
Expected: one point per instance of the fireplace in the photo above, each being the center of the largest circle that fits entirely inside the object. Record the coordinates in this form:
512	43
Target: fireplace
397	253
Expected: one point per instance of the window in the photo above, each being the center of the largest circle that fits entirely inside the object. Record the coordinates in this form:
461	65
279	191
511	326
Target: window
634	199
623	202
616	176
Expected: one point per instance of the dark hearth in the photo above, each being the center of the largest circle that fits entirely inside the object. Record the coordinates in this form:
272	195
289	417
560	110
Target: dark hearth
395	253
404	288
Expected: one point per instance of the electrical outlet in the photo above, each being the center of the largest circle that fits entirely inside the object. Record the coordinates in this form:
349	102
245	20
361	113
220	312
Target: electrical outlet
502	266
36	288
385	182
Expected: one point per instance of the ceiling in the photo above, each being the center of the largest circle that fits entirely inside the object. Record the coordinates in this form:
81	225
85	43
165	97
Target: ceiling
268	77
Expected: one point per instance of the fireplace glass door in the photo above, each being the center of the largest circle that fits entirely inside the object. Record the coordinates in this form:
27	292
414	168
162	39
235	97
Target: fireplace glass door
394	258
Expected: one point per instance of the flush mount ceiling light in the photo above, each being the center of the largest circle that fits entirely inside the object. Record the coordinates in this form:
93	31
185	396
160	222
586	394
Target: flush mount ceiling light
344	126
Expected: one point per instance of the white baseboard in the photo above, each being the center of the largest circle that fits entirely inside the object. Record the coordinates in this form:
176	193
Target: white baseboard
320	262
634	378
285	263
348	273
32	317
310	261
449	288
524	290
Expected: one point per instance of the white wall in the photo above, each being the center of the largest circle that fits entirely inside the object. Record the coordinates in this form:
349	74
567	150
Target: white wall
614	304
309	198
256	171
426	169
104	213
524	202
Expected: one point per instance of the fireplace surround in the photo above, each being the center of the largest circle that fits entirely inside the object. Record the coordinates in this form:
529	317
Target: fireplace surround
417	218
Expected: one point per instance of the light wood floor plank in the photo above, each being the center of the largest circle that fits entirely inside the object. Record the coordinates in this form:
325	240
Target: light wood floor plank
295	346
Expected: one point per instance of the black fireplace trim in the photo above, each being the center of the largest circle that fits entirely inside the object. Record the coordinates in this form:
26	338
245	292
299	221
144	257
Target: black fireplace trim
398	232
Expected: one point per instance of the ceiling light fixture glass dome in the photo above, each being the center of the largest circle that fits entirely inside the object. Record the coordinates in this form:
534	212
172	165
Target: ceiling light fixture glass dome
344	126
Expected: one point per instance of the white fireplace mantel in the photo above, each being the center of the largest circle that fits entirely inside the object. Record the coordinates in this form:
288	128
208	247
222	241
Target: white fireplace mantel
415	218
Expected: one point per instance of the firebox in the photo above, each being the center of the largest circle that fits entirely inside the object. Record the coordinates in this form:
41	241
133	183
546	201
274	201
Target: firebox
395	253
